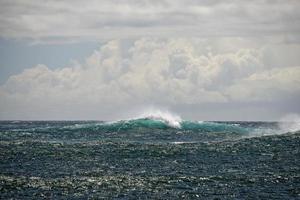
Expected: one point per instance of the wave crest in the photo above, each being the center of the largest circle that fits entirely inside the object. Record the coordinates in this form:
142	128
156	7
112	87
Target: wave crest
167	117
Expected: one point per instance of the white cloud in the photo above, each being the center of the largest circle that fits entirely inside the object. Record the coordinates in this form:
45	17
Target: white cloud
267	85
149	71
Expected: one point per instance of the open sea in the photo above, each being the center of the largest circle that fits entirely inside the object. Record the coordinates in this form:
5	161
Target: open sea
149	158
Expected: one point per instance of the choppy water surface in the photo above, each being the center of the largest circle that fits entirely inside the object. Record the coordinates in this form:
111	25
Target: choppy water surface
148	159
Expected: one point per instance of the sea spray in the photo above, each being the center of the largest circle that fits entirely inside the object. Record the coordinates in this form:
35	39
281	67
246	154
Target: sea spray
289	123
165	116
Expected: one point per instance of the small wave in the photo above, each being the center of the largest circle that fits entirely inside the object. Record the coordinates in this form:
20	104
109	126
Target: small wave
81	126
16	122
184	142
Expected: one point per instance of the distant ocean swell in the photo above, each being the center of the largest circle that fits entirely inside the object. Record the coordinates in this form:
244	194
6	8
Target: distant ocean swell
174	123
148	129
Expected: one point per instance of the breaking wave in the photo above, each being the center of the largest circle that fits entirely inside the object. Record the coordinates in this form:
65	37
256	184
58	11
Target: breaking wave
153	125
168	118
162	120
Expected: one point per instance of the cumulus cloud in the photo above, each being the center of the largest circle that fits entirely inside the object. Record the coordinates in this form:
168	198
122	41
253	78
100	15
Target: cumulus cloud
61	21
148	71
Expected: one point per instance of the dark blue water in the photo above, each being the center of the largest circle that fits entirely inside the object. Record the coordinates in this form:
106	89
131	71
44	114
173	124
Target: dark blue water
148	159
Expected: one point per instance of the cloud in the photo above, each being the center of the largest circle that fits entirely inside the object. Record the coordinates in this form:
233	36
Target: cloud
148	71
62	21
267	85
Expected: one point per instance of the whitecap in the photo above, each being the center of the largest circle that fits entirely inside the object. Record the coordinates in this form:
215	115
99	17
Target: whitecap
167	117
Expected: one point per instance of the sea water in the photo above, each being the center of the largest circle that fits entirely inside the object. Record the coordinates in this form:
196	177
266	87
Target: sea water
149	157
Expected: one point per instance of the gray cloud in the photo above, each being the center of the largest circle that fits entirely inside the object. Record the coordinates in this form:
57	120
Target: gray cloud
41	20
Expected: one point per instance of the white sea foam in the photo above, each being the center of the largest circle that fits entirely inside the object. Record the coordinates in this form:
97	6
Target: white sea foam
184	142
167	117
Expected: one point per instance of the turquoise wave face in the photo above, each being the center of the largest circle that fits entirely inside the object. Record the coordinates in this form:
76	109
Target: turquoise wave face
145	130
159	124
214	127
135	124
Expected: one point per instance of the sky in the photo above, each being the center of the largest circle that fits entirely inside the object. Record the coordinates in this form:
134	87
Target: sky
108	59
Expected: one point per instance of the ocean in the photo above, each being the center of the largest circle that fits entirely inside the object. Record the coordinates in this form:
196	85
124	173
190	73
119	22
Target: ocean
149	158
